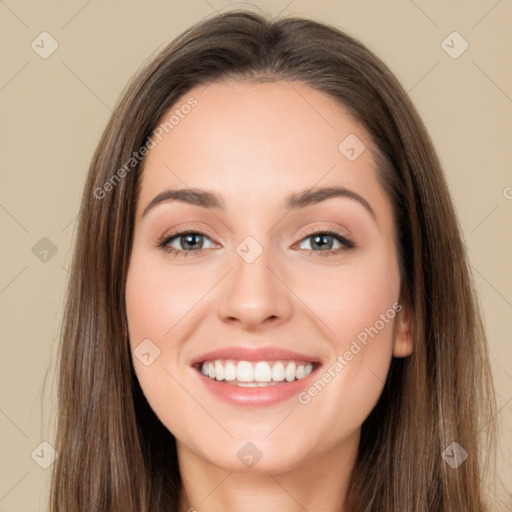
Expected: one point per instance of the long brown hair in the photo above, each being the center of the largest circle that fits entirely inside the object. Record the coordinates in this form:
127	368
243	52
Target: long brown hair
114	454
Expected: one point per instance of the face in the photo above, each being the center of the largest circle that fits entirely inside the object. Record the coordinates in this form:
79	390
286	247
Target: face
263	301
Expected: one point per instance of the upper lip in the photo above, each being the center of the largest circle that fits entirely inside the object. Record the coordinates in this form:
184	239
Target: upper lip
254	354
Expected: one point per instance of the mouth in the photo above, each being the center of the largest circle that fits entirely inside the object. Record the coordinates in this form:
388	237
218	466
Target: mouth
245	376
255	374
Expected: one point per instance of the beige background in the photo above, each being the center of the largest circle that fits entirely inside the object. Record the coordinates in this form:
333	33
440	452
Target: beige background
53	111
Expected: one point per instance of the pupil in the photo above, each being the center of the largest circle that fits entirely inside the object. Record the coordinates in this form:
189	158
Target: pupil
188	240
322	239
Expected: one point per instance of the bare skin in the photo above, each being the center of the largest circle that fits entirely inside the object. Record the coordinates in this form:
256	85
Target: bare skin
254	145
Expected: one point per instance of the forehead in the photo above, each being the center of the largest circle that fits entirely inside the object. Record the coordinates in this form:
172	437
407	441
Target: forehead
257	139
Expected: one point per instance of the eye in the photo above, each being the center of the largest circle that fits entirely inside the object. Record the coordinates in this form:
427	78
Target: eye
186	242
324	243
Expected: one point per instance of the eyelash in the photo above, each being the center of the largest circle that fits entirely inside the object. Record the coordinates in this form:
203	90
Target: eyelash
163	242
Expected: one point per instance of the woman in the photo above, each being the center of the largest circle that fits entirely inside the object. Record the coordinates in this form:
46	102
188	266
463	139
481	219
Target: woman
270	305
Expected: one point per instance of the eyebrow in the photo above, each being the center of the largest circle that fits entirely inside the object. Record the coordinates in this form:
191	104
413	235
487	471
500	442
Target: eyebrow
206	199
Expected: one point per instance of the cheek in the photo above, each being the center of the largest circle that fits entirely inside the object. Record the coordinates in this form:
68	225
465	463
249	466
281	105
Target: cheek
151	310
352	299
358	307
158	297
154	305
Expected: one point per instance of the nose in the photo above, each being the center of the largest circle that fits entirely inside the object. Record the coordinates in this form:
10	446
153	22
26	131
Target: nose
254	294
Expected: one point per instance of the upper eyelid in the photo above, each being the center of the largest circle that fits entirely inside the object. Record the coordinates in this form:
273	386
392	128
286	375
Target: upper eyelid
328	230
185	231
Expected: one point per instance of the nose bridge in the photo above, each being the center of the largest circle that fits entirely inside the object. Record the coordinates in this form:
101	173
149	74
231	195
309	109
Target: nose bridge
254	293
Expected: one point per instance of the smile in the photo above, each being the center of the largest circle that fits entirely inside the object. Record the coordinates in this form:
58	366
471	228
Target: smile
245	376
255	373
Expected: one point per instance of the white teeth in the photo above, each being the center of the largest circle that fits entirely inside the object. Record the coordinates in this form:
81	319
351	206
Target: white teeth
255	374
262	372
244	372
278	372
219	370
229	371
290	372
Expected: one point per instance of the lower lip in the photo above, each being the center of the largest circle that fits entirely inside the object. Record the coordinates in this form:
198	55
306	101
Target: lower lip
267	395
